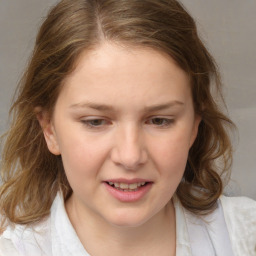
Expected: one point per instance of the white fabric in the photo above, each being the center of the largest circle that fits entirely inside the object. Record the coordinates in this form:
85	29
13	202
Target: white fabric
196	236
209	235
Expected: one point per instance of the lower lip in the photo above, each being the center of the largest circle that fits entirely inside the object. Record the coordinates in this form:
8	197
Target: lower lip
130	196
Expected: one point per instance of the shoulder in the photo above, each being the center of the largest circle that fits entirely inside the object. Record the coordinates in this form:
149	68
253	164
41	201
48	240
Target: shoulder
26	240
7	248
240	217
240	203
239	210
41	238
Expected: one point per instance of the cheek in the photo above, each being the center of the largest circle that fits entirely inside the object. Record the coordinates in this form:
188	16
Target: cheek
171	153
82	158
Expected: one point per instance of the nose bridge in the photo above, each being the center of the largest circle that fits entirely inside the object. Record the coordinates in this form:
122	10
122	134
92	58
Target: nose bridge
129	149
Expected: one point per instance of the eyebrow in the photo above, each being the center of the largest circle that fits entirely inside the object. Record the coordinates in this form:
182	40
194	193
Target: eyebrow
164	106
103	107
100	107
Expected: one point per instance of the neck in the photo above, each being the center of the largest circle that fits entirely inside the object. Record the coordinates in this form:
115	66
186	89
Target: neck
156	236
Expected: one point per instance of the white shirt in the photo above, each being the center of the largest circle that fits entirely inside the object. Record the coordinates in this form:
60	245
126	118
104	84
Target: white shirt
229	231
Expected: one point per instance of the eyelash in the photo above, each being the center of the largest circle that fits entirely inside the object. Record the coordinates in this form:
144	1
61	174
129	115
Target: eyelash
165	122
89	123
98	123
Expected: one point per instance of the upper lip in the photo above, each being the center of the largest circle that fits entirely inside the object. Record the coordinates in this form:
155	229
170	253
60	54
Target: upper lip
128	181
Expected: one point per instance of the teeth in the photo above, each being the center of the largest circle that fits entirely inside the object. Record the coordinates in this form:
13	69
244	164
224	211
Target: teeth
126	186
133	186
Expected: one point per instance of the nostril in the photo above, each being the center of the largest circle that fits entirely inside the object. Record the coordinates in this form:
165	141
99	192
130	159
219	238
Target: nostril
129	153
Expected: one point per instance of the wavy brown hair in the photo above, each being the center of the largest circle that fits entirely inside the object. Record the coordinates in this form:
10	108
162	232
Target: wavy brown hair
32	176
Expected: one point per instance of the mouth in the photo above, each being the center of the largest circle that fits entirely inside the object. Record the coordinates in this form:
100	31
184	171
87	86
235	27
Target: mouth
127	187
128	190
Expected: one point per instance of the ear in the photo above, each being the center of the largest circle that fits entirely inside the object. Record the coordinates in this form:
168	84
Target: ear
47	126
195	129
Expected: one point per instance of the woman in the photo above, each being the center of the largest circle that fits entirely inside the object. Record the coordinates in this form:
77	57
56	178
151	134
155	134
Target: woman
117	145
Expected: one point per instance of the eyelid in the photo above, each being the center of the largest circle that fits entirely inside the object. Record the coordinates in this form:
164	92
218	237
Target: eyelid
168	121
88	122
104	122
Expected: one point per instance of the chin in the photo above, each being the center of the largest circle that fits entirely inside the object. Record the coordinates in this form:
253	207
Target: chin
128	219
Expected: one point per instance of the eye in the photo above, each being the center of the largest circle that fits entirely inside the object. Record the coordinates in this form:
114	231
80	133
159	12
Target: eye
95	123
161	122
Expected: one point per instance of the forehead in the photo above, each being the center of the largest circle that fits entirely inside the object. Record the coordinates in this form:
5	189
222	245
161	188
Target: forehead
110	72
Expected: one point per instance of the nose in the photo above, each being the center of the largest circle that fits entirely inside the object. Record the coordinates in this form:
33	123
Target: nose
129	149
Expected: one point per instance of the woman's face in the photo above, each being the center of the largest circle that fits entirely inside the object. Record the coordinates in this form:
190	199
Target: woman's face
123	124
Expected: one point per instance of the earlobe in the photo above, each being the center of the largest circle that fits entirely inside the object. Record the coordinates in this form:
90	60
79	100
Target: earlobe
48	130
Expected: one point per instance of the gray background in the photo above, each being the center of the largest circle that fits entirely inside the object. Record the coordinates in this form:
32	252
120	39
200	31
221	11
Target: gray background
228	27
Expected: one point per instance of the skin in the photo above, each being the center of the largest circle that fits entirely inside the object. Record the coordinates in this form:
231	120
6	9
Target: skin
124	112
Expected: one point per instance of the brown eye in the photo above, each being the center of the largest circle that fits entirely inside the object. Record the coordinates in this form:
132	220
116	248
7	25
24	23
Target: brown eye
158	121
161	122
95	123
